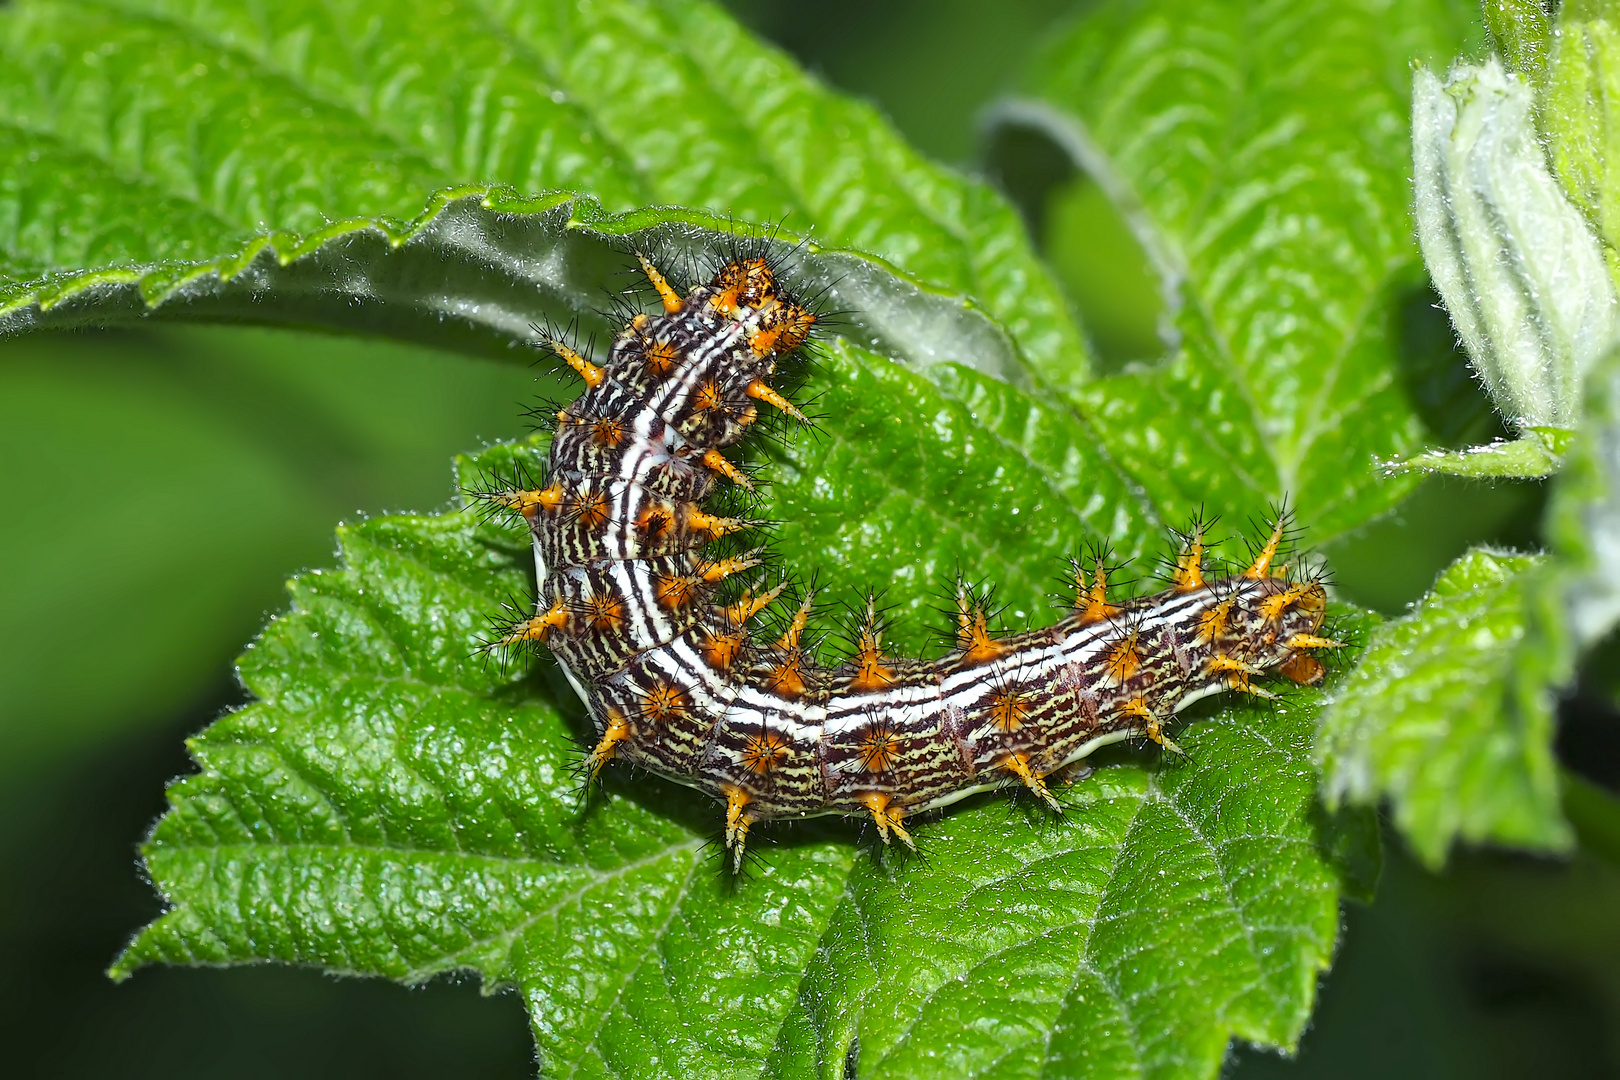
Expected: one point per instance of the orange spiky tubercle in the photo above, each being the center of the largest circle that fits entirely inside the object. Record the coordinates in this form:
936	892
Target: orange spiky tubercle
973	635
1188	573
872	673
1091	596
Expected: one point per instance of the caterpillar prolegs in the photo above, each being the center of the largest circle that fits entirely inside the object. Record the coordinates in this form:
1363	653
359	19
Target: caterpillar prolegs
675	682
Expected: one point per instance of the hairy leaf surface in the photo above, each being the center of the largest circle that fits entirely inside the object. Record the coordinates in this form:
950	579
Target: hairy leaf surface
1447	715
1260	152
396	805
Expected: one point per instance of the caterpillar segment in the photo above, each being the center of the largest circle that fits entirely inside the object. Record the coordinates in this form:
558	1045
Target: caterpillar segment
677	683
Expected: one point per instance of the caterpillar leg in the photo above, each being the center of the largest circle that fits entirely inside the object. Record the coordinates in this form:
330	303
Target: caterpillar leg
1302	667
1237	674
1018	765
618	730
1152	726
737	822
888	815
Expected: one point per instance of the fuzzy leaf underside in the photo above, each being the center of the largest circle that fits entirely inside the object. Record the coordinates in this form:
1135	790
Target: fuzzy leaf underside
479	266
141	140
395	805
1448	716
1271	195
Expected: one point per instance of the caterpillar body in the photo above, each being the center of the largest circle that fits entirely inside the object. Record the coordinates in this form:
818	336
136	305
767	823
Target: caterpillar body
628	578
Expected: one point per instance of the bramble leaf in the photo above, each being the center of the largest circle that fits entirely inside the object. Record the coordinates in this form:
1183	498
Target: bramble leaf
525	97
395	805
1450	713
1537	452
1447	715
1272	197
1578	111
127	186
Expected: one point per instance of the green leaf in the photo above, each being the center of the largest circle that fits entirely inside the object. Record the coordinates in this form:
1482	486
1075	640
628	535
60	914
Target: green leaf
1536	453
911	478
1447	715
198	136
393	805
1580	112
480	266
1521	33
1272	196
515	99
1573	604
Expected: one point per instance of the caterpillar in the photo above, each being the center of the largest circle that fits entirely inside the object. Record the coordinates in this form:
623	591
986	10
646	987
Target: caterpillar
675	682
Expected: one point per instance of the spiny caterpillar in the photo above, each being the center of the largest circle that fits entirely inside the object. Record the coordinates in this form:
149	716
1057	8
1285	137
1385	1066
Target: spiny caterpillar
675	683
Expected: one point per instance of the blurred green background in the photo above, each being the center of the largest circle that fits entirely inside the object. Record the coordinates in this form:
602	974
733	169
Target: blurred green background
163	484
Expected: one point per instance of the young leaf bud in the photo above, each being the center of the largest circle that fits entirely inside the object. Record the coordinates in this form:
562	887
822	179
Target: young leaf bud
1519	268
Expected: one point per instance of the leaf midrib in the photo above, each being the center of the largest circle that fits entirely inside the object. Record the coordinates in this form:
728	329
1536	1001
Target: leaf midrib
1083	962
604	1014
1151	794
505	937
